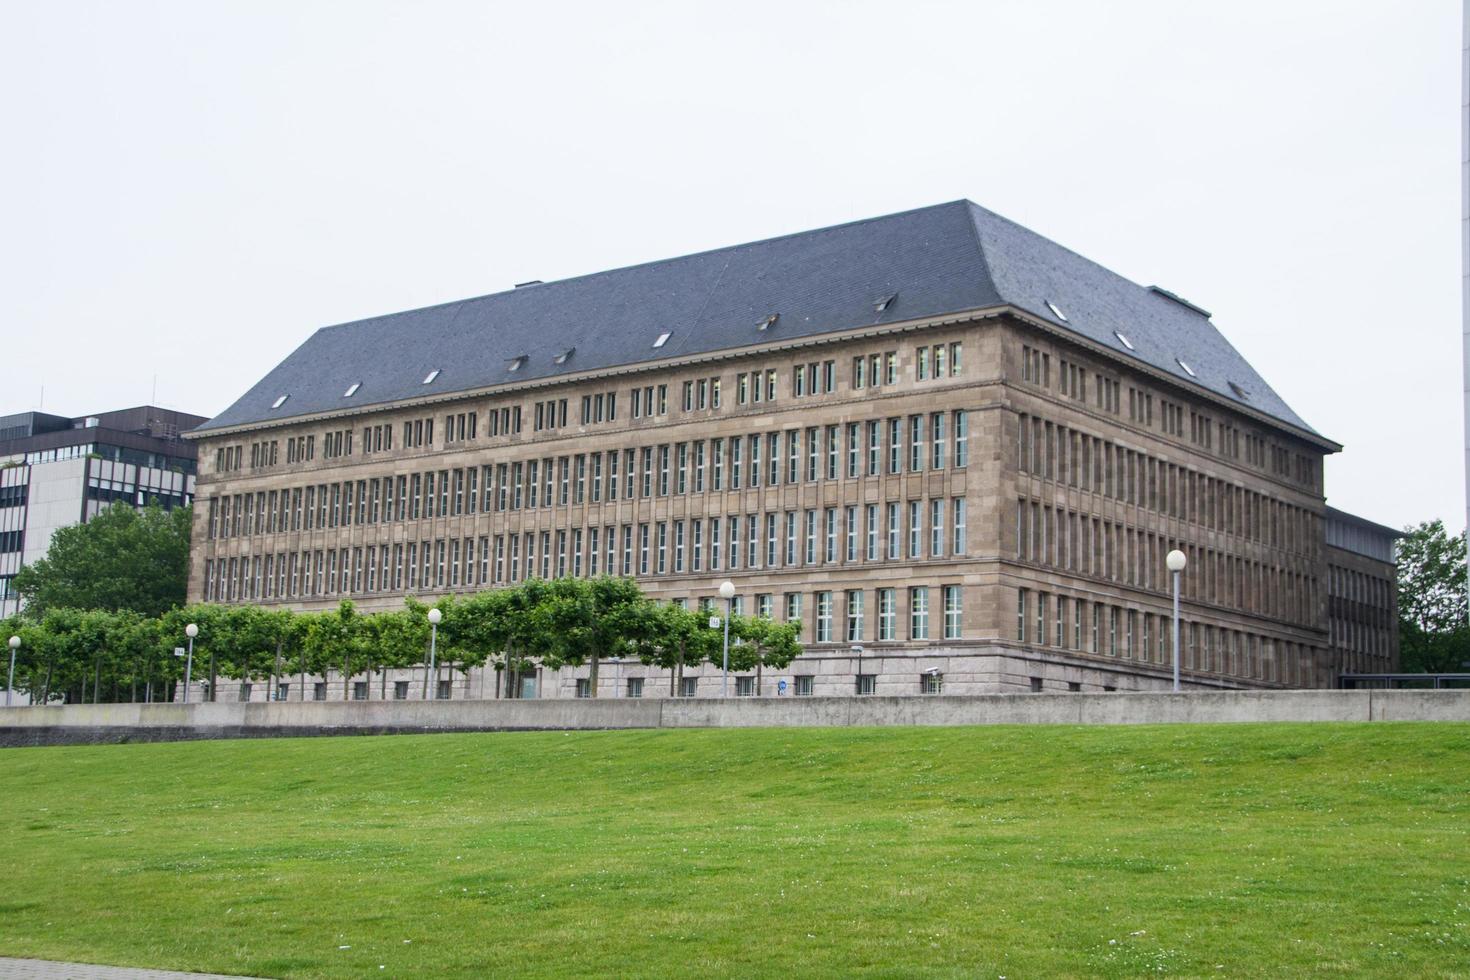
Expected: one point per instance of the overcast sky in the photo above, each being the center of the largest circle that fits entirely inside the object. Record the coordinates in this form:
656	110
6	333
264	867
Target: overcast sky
190	189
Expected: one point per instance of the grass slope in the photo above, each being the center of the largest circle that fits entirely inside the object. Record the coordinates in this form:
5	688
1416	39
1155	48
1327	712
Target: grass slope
1221	850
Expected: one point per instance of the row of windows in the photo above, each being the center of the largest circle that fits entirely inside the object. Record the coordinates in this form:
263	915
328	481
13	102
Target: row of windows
1102	548
936	361
1064	455
14	496
465	564
598	408
1047	619
1072	383
914	530
857	449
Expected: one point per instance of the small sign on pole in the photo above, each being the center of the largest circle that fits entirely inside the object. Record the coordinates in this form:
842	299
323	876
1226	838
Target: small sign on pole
178	651
714	622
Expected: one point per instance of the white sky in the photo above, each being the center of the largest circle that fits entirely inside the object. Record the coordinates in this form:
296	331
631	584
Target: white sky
188	190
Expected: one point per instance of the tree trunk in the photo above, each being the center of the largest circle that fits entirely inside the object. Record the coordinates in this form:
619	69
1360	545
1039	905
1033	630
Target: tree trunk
46	687
97	681
758	666
383	684
303	675
275	672
592	678
213	679
346	681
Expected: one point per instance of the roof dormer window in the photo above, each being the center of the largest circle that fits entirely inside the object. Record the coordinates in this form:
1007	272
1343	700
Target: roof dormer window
1057	312
352	389
883	304
429	378
1187	369
663	338
279	401
515	363
1124	340
563	357
768	321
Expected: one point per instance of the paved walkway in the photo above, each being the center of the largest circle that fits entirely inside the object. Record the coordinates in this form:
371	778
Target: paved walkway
49	970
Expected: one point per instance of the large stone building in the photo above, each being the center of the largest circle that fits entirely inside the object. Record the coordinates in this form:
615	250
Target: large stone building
56	471
955	450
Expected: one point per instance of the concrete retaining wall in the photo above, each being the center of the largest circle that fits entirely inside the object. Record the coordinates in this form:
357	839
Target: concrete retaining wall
84	723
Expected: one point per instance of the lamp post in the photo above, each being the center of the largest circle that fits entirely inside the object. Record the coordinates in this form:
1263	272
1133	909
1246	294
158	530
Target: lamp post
434	617
10	679
1176	562
727	592
190	631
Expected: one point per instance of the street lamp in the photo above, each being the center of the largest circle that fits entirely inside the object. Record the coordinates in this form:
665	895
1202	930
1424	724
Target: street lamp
727	592
1176	562
434	617
190	631
10	680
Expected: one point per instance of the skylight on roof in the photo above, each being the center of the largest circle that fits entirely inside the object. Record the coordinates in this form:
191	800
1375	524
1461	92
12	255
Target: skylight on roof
279	401
1239	392
663	338
429	378
564	355
1125	341
884	303
1056	312
1187	369
516	362
352	389
767	320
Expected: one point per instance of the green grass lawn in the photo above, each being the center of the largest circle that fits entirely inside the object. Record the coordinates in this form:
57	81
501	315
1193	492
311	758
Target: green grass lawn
1019	851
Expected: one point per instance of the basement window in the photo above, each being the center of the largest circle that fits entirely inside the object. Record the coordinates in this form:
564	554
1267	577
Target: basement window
1187	369
1056	311
663	338
884	303
429	378
352	389
767	321
563	357
279	401
1124	340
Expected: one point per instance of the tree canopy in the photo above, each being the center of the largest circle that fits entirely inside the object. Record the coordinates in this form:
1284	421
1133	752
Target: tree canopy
1433	635
122	559
105	655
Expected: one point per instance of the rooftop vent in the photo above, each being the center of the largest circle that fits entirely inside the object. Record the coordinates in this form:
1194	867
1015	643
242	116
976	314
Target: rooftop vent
515	363
884	303
1187	369
1180	300
352	389
767	321
1056	312
563	357
279	401
1239	392
429	378
663	338
1124	340
528	282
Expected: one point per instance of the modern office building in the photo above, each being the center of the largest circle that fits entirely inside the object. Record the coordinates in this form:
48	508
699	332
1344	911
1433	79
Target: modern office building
956	451
57	471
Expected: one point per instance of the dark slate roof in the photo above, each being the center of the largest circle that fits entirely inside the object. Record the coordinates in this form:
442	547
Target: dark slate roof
945	259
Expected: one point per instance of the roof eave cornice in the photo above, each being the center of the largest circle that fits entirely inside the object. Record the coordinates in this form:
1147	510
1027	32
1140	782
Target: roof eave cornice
642	367
1196	390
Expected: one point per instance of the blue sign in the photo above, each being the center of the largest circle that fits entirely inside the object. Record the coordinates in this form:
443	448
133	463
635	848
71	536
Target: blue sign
781	687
